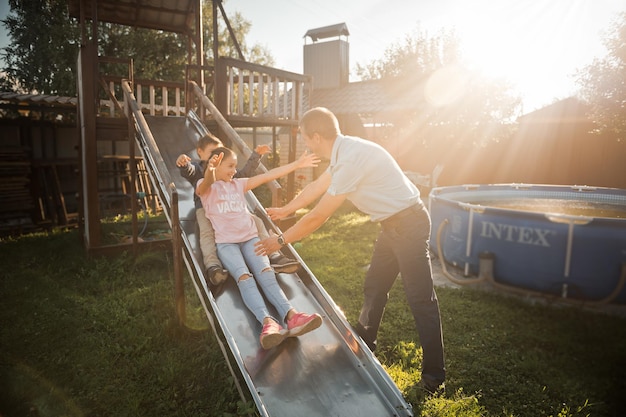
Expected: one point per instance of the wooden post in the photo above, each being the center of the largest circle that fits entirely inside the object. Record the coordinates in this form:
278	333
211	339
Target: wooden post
179	285
87	123
220	88
133	183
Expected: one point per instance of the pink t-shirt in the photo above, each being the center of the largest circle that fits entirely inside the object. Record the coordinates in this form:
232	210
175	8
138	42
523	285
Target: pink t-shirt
226	207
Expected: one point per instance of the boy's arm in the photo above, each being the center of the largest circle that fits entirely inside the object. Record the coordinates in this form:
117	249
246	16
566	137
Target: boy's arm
196	172
191	171
183	162
252	164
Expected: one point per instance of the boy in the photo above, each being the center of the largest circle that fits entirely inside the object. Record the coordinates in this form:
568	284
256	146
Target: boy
192	171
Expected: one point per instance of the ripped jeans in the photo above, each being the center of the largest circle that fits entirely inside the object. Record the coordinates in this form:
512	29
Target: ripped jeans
239	259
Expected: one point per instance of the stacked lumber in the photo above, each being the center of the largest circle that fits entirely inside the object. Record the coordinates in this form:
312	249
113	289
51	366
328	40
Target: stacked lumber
16	202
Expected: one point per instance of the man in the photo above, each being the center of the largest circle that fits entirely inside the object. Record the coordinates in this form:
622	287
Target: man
366	174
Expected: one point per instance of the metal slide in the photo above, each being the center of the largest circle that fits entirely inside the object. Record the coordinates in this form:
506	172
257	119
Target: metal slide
328	372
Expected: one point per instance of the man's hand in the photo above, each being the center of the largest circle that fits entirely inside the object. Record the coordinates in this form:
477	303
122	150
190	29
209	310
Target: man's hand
267	246
182	160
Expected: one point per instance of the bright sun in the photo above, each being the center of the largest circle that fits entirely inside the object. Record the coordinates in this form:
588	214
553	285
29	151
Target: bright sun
528	42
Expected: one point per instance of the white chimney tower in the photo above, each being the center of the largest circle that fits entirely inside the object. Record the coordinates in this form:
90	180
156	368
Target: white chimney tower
327	61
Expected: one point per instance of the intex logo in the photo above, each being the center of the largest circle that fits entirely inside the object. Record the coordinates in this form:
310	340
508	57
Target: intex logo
516	234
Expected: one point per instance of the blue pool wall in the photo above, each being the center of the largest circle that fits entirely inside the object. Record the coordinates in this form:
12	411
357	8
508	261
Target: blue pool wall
570	256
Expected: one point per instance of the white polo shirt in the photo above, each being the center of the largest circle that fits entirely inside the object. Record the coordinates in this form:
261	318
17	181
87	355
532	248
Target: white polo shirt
371	179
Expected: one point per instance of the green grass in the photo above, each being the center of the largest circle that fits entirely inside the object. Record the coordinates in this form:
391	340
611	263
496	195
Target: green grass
100	337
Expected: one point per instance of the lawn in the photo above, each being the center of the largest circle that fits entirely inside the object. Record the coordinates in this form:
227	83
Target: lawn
99	337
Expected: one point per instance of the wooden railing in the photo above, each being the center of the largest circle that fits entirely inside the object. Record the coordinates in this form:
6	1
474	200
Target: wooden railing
250	93
233	137
245	91
156	98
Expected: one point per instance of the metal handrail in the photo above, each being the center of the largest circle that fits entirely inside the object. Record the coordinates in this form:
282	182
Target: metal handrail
150	149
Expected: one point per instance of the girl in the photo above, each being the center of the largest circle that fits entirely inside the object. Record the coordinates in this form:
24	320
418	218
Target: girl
224	202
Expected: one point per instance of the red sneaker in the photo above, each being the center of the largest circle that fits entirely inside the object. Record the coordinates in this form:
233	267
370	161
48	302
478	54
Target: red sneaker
272	335
302	323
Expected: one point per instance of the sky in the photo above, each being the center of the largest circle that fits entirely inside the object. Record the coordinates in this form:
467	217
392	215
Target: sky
537	45
4	11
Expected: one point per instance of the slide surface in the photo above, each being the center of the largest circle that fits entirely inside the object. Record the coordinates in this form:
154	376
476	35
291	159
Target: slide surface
328	372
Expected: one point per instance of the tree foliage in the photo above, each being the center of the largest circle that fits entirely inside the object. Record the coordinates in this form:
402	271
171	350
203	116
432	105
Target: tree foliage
603	82
461	104
43	50
418	55
255	53
42	54
148	48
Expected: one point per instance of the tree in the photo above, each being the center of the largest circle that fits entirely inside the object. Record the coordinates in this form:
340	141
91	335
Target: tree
603	83
45	40
417	56
256	53
148	48
42	54
462	105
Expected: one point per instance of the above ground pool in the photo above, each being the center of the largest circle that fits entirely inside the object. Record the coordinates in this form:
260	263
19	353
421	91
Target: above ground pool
566	241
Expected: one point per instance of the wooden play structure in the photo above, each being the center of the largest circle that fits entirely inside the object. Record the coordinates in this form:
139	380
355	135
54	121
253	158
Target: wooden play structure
246	94
326	372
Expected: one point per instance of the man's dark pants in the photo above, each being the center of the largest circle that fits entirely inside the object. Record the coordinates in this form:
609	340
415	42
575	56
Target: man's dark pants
402	247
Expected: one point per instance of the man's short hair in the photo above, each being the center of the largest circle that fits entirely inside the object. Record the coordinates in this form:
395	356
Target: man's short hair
322	121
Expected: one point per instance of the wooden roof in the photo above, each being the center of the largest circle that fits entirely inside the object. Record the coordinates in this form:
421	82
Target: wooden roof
37	99
372	97
169	15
